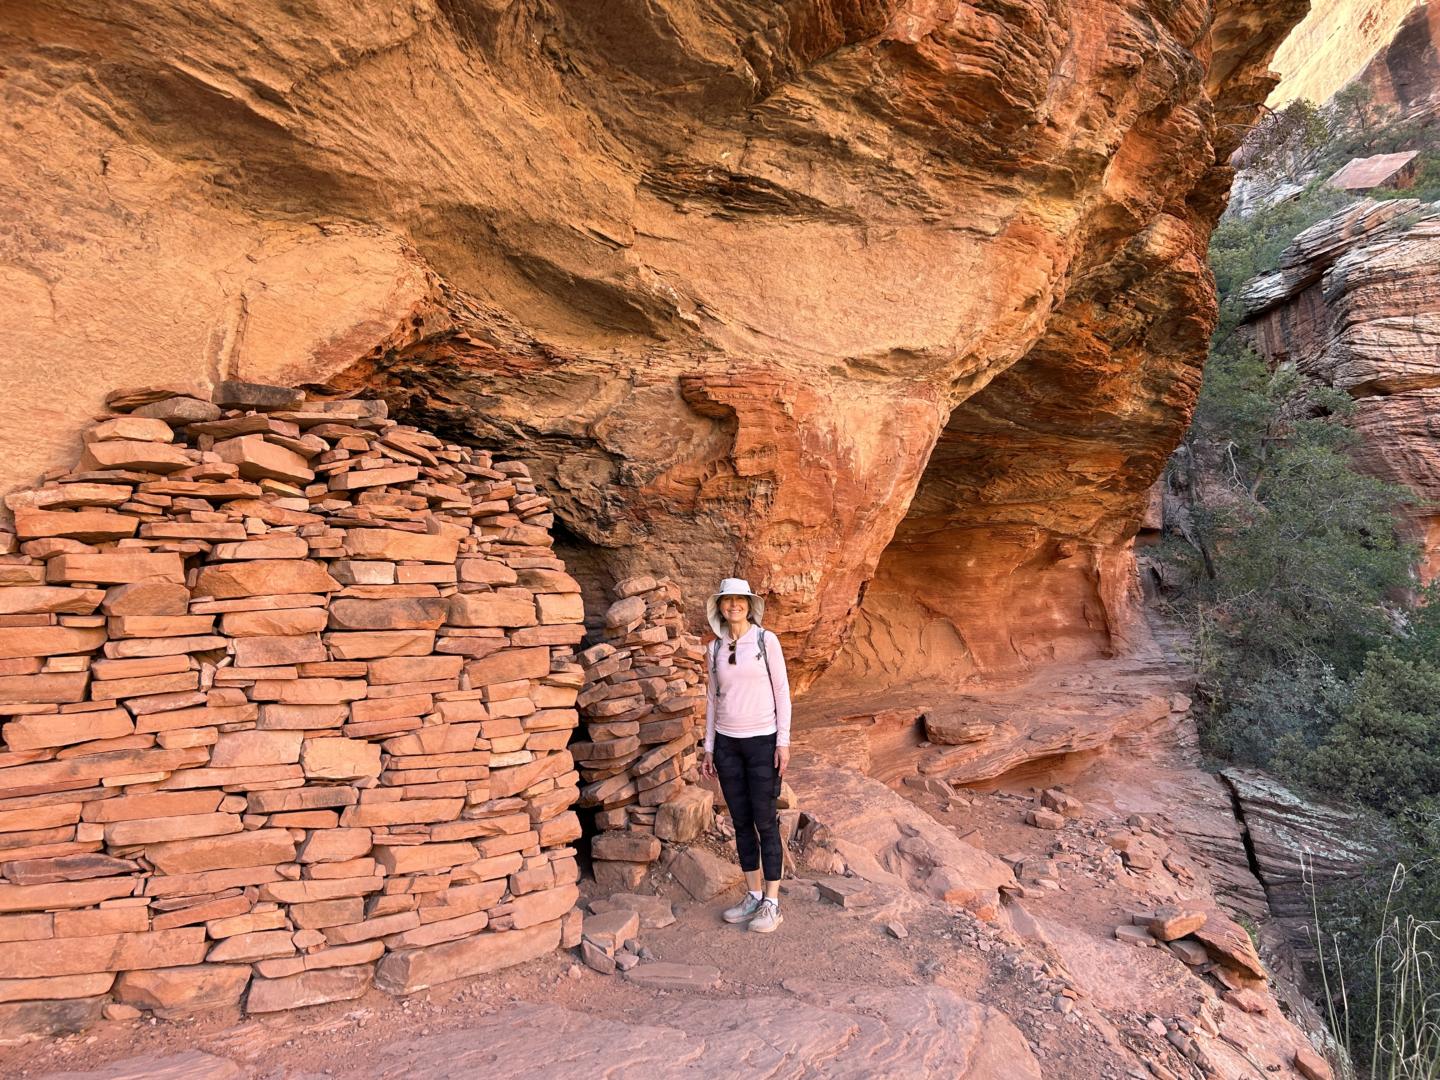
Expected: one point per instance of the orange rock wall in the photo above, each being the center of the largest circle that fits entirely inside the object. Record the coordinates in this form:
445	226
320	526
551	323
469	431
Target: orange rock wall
1335	42
286	692
728	271
1404	76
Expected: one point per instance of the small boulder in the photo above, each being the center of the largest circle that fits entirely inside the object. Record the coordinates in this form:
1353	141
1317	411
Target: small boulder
1041	818
1171	923
654	912
615	875
1063	804
931	785
625	612
1227	942
952	729
179	991
1191	952
611	929
1139	860
665	976
626	846
846	891
1244	1000
1134	935
702	874
596	958
1311	1065
572	926
686	815
635	586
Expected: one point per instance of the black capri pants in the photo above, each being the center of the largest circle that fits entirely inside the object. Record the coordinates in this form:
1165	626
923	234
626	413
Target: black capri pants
751	784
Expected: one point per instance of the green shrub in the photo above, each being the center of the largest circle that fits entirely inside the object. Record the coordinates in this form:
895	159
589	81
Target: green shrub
1312	663
1300	549
1384	748
1305	575
1276	718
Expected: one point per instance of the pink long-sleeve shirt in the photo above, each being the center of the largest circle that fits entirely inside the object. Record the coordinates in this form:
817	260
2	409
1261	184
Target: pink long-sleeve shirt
739	700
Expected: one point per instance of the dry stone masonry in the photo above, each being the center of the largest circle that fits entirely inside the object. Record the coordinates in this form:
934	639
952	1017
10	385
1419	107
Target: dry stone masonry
644	707
286	691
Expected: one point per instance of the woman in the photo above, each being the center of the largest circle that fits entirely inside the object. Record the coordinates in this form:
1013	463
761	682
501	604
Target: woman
747	742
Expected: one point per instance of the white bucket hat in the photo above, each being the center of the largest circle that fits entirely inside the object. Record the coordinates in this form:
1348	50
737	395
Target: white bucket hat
732	586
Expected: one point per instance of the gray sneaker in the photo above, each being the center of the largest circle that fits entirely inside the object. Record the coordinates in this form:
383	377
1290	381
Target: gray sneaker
743	910
767	918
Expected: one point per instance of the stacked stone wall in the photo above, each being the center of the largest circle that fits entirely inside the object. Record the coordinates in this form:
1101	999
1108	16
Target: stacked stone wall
286	691
643	704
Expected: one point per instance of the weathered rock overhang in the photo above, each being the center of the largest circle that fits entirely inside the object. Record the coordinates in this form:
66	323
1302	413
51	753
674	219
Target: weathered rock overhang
729	273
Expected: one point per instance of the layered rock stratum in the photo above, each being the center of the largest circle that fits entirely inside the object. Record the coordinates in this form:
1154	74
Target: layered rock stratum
286	690
1355	304
764	288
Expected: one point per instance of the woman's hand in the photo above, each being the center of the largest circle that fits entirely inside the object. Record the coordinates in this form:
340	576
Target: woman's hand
782	759
707	764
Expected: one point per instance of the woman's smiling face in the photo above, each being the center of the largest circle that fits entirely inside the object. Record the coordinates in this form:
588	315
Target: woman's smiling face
735	608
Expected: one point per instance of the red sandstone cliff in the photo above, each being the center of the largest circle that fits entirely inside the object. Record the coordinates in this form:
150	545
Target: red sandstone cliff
1356	305
1333	43
905	296
1405	74
1388	46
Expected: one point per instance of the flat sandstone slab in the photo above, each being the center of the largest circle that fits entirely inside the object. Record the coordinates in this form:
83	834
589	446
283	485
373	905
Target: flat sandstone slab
187	1065
407	972
817	1030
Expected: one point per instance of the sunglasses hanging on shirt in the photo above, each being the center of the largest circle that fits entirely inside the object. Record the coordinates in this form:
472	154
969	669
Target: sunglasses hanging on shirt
732	652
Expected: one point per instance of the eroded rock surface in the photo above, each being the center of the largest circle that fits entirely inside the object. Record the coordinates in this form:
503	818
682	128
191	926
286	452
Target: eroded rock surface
732	270
1355	304
1405	74
1385	46
886	840
1337	41
1298	845
833	1030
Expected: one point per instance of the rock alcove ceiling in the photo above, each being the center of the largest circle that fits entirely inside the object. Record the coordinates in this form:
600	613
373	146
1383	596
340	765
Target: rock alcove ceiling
895	308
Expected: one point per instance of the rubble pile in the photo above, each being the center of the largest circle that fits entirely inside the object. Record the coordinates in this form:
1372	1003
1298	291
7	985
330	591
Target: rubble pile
643	703
286	691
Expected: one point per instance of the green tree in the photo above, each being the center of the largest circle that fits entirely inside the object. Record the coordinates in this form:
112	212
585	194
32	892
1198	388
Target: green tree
1287	141
1353	109
1384	751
